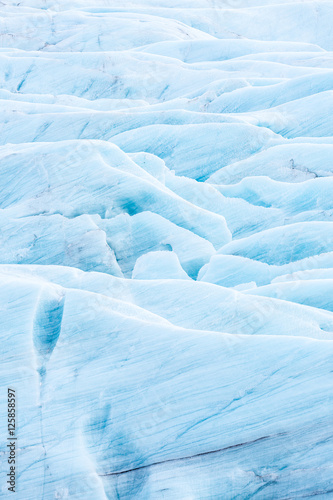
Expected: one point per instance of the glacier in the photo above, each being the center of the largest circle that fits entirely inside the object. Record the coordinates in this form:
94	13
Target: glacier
166	265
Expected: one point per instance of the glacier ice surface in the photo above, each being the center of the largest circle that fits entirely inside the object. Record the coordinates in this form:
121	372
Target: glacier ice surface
166	265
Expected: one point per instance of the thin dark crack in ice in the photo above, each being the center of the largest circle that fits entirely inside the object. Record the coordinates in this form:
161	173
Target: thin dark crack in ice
205	453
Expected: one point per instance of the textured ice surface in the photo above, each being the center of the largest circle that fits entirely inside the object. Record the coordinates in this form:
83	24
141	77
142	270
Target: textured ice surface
166	264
